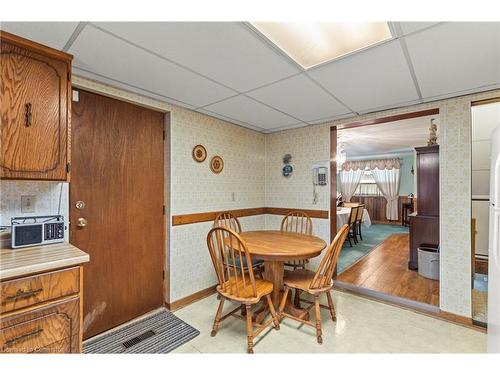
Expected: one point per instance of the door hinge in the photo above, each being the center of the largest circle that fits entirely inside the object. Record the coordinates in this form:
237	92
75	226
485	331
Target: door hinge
164	135
163	275
164	209
68	167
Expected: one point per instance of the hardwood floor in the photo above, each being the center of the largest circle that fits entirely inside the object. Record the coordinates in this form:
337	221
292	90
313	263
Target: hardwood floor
385	270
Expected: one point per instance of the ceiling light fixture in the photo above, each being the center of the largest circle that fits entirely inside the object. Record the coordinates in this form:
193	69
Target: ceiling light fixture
311	44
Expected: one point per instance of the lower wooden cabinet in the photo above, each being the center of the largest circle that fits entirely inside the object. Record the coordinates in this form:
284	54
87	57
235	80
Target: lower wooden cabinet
50	323
51	329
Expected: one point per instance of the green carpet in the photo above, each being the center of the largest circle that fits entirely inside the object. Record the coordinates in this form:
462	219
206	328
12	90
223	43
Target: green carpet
372	237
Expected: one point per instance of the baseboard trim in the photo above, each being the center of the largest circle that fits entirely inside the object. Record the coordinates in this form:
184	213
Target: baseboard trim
417	307
183	302
400	301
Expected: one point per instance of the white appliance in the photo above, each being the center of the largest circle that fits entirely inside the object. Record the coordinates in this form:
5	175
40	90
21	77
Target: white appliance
494	248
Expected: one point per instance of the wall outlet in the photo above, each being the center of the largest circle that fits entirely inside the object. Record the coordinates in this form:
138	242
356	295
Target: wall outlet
28	204
233	197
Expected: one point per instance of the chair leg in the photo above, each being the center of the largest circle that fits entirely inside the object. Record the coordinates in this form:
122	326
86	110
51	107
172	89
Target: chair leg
331	306
359	231
296	301
349	238
217	316
249	329
318	319
283	300
273	312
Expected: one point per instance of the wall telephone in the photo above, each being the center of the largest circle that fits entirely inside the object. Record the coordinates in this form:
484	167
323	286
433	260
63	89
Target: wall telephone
319	175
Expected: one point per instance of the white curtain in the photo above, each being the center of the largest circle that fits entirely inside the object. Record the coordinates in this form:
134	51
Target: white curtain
388	182
349	182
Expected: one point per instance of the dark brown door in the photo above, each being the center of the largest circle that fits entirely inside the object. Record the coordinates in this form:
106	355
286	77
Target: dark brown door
117	181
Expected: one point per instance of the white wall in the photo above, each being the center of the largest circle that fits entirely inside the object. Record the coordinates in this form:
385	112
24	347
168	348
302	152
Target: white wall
485	118
48	194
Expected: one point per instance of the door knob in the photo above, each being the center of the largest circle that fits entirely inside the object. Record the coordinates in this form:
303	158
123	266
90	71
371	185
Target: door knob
81	222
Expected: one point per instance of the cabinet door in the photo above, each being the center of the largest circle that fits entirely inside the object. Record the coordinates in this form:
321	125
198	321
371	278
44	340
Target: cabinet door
34	114
51	329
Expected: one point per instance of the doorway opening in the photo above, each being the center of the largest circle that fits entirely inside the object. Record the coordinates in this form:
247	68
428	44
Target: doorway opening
387	191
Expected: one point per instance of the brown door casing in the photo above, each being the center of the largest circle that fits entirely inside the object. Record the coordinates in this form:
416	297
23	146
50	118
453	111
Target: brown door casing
118	174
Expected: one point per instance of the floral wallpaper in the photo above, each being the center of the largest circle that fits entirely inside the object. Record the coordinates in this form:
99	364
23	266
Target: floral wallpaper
252	178
311	143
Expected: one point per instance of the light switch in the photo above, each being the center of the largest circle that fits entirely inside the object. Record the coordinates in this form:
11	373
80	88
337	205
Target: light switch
28	204
233	197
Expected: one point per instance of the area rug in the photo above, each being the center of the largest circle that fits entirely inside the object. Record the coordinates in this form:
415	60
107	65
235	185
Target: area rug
161	332
372	237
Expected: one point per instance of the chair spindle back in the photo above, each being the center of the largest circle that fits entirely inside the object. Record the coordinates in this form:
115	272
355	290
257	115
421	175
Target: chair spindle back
227	220
324	273
297	222
227	251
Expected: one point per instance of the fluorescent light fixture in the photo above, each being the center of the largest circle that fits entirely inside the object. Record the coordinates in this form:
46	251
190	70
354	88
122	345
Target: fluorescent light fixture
311	44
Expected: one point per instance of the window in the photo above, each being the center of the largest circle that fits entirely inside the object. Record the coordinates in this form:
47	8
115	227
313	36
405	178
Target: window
367	186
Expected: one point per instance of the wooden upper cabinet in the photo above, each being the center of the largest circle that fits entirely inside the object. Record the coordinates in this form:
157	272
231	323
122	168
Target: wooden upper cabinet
35	110
428	180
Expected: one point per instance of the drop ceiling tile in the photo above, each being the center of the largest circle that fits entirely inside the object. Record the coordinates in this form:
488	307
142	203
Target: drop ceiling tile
301	98
249	111
376	77
410	27
456	56
227	119
103	54
227	52
82	73
52	34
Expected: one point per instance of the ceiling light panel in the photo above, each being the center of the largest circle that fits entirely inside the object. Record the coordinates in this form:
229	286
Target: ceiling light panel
311	44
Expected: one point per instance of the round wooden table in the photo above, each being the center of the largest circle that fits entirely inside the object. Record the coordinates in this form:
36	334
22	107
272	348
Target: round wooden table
276	247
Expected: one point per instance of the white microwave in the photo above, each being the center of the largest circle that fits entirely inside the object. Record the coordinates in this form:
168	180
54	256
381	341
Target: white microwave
37	230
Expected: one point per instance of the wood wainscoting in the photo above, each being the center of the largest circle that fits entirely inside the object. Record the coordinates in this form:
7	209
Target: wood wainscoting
200	217
376	206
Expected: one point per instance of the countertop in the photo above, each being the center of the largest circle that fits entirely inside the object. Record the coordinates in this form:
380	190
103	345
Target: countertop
28	260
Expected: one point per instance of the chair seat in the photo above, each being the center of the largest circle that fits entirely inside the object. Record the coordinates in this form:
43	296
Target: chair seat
301	279
245	294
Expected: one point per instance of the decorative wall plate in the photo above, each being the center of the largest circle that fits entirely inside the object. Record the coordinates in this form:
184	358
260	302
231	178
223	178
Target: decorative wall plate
199	153
217	164
287	170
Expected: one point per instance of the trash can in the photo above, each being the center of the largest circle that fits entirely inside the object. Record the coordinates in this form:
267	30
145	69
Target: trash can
428	261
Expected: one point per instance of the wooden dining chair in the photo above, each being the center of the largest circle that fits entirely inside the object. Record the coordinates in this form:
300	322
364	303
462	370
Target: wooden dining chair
296	222
352	225
316	283
235	283
359	220
350	204
228	220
